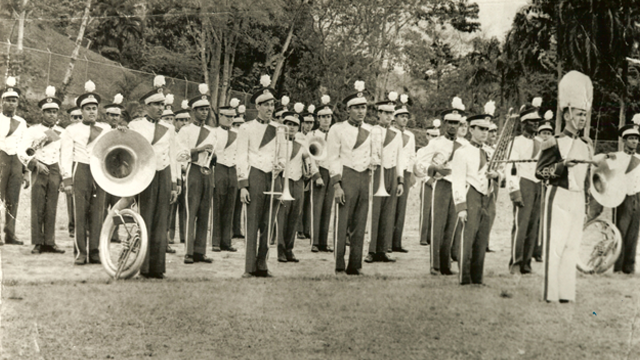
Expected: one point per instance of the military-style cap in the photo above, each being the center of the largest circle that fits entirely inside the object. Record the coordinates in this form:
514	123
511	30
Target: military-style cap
116	106
203	99
575	90
529	113
631	129
11	90
50	101
89	97
264	93
74	111
356	98
291	117
545	126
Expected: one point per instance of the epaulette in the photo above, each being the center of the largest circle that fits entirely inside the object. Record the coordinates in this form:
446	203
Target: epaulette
549	143
587	140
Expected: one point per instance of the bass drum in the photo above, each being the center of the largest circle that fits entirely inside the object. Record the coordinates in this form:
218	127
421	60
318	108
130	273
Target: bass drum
123	259
600	247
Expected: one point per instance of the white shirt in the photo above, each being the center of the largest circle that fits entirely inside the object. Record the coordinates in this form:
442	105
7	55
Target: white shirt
408	150
439	148
575	148
523	149
391	155
74	147
257	148
48	154
227	146
468	168
187	139
342	150
632	165
10	144
165	148
295	169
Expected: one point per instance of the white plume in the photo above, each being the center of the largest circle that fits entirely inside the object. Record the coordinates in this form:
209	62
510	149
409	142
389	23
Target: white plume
457	103
325	99
265	80
89	86
118	99
234	103
490	107
203	88
11	81
311	108
168	100
158	81
359	85
636	119
50	91
548	115
185	104
393	96
298	107
404	98
436	123
242	109
537	101
285	100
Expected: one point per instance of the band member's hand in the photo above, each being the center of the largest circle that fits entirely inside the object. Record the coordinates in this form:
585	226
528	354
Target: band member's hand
518	203
462	215
319	182
399	190
207	148
339	195
122	128
174	197
442	169
25	180
179	190
244	196
611	156
42	168
492	175
68	190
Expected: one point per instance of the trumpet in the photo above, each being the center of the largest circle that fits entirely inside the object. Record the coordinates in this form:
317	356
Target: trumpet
382	191
205	168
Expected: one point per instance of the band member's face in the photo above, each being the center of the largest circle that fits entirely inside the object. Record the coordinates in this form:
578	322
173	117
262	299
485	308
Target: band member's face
114	119
201	113
170	119
306	126
577	117
76	118
90	112
179	123
325	121
225	120
462	129
402	120
545	134
479	134
631	141
292	129
279	119
358	112
451	127
265	109
50	116
431	136
530	127
155	109
493	135
9	105
384	118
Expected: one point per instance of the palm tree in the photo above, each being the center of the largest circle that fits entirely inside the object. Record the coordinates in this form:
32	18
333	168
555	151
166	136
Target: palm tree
116	24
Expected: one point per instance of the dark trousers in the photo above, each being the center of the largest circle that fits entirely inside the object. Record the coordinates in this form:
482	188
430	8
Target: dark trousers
237	217
627	218
71	214
352	217
258	220
44	204
524	234
493	212
475	235
383	212
89	199
425	212
179	208
154	209
537	251
322	208
224	201
400	213
10	183
198	196
288	216
305	219
443	223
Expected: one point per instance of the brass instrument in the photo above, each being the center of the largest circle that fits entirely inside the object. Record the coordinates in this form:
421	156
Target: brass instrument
317	148
607	181
205	167
600	247
505	143
285	194
382	190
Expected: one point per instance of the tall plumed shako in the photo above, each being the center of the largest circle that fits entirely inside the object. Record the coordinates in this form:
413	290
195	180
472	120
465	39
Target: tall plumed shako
631	129
201	100
356	98
50	101
10	89
308	115
388	104
575	90
531	112
456	112
325	108
183	113
402	109
157	94
484	120
89	97
434	129
294	116
230	111
265	92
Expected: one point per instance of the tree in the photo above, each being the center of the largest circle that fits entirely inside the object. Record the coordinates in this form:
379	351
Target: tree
69	74
114	24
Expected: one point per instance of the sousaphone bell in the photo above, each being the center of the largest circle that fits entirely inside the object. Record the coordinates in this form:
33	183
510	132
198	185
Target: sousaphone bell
607	182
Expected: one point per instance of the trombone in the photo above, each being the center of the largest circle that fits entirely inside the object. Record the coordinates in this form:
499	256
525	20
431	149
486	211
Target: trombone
285	194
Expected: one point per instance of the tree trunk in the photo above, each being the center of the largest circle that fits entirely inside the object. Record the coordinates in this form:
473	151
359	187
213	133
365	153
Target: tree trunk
214	70
69	74
203	49
227	67
558	69
21	18
281	57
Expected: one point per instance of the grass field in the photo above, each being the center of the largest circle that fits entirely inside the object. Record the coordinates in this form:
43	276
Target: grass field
53	310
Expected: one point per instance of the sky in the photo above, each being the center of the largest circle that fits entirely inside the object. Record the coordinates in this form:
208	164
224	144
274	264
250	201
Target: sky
496	15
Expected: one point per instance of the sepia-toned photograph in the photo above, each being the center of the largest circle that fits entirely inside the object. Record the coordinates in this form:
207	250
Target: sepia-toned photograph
319	179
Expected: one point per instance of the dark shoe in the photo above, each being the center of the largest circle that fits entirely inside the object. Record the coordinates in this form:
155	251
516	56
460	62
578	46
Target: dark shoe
563	301
434	272
14	241
490	251
341	273
447	272
292	258
188	259
247	275
282	259
424	243
328	249
314	249
229	249
370	258
202	258
54	249
357	272
170	250
152	275
80	261
72	234
170	242
37	249
238	236
400	250
538	258
95	260
263	273
385	258
302	236
216	249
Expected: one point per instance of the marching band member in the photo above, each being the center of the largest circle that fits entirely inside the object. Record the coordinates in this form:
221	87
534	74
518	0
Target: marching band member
426	189
181	118
12	172
434	130
433	160
470	182
322	192
304	226
562	163
225	189
490	148
75	148
237	211
349	158
387	150
40	153
200	140
299	164
627	214
256	165
281	109
463	130
545	131
155	201
524	190
168	118
401	117
113	112
75	115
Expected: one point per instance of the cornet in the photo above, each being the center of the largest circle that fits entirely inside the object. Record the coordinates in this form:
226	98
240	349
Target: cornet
205	168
